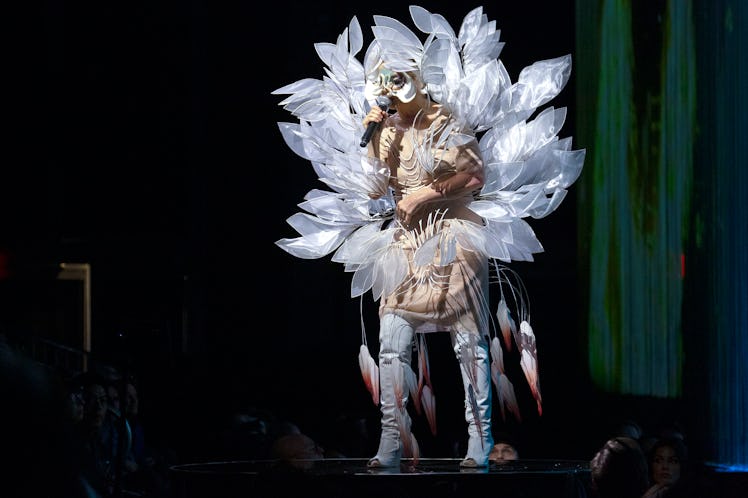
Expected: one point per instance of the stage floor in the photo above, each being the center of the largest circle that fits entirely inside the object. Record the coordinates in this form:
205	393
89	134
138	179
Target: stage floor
350	477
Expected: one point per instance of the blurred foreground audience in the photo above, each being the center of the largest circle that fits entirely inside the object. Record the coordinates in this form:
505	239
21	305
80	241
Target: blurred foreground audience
40	455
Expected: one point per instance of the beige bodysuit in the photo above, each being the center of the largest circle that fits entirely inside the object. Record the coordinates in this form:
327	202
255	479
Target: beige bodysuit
435	296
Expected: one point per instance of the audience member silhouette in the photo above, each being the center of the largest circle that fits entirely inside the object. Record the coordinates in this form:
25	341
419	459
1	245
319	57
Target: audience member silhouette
619	469
671	475
95	436
504	449
294	456
629	428
297	450
146	467
75	401
247	434
349	436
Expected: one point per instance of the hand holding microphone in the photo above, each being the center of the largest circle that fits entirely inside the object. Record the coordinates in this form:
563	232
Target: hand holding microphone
383	103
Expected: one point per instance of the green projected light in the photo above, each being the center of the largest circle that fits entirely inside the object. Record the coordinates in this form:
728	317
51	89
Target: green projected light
640	197
662	101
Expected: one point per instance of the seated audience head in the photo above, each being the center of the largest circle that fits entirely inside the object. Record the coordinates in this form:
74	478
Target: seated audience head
96	402
76	399
666	458
297	450
504	449
619	469
629	428
133	400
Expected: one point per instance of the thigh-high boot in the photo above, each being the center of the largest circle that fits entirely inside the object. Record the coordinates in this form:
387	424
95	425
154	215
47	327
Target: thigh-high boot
395	351
472	353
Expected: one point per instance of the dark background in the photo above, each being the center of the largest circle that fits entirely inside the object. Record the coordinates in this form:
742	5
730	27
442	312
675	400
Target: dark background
149	149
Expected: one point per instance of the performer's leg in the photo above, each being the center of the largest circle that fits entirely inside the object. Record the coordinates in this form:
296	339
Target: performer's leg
472	353
395	341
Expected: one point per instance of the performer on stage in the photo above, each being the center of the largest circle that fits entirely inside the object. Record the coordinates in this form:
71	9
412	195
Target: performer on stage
427	205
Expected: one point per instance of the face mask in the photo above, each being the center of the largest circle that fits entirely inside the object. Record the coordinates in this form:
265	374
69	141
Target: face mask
391	83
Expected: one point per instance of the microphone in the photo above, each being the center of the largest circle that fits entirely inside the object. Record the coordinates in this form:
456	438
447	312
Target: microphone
384	104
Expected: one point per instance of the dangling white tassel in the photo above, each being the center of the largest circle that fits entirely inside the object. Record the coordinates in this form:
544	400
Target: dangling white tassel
506	324
369	372
429	406
529	361
425	398
504	387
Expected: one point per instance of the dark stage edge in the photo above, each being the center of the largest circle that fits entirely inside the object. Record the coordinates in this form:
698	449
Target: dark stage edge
349	477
